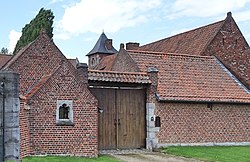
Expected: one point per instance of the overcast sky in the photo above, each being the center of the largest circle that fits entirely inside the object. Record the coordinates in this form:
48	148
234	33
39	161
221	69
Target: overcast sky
79	23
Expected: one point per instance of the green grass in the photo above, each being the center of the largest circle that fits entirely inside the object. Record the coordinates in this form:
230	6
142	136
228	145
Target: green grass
212	153
69	159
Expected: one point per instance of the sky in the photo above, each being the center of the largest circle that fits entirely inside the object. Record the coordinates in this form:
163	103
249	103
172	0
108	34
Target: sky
79	23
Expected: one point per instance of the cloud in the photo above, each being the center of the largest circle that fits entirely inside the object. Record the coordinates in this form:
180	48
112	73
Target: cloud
198	8
242	16
178	31
55	1
111	16
13	38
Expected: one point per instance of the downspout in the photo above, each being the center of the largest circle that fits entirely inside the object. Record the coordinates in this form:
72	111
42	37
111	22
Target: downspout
3	117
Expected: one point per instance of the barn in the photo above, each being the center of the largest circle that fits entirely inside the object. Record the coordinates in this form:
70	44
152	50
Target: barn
188	89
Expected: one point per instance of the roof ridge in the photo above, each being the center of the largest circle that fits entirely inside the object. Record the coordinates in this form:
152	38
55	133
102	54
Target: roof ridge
117	72
185	32
163	53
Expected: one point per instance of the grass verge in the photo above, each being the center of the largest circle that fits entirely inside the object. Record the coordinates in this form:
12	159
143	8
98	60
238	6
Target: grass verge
101	158
212	153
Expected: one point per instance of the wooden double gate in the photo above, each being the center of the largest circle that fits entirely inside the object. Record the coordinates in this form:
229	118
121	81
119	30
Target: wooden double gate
122	123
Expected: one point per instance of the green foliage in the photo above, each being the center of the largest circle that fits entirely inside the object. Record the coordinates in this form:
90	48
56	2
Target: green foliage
212	153
4	51
43	20
68	159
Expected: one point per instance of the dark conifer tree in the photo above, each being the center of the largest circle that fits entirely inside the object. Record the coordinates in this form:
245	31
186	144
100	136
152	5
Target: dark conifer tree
43	20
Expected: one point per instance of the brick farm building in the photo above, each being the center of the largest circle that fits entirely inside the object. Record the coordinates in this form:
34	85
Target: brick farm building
188	89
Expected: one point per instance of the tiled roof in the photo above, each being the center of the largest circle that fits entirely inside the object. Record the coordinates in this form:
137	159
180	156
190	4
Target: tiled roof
100	46
4	59
120	77
190	42
192	78
106	63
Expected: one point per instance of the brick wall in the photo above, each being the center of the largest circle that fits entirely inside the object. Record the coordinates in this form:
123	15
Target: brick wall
196	123
39	132
41	58
230	47
24	130
124	62
49	138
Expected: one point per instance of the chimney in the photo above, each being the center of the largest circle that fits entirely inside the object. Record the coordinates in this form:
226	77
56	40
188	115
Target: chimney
229	14
121	46
82	71
132	45
108	44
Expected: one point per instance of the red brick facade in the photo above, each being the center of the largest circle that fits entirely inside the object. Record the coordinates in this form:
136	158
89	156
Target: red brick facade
124	62
24	130
46	77
194	87
49	138
184	123
230	46
185	91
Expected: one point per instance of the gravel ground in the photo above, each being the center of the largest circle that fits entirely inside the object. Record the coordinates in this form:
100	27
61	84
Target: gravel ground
145	156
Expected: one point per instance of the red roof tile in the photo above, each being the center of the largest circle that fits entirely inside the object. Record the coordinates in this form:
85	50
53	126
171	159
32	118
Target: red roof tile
121	77
4	59
192	78
190	42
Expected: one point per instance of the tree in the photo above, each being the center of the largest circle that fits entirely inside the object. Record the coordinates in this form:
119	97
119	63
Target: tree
43	20
4	51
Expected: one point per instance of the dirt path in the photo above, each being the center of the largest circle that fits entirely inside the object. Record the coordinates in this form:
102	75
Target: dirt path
151	157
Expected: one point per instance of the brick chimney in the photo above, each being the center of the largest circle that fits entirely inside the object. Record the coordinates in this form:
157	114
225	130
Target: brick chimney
229	14
132	45
121	46
82	71
108	44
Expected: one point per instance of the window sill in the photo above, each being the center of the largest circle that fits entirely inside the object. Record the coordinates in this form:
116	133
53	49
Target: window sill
65	122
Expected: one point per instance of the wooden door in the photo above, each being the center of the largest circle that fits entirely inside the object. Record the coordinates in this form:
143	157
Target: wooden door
107	119
131	113
122	123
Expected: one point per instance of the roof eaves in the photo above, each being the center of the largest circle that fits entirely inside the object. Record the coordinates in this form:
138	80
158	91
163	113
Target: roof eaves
160	99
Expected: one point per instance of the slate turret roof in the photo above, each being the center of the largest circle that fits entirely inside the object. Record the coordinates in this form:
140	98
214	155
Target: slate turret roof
100	46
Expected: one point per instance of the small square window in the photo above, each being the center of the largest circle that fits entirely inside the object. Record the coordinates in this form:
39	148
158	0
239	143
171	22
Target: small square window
64	112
